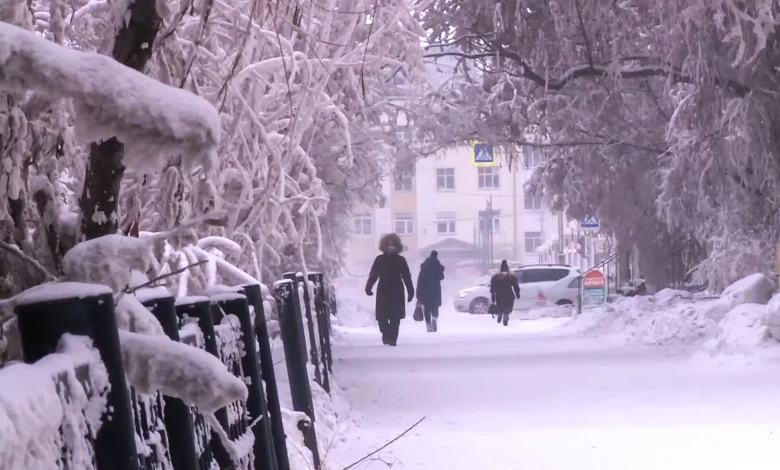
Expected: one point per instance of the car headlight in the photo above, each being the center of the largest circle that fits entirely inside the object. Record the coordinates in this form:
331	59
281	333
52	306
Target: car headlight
463	294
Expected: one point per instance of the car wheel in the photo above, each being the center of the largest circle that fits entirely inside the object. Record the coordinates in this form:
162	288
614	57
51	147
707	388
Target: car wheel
564	302
479	306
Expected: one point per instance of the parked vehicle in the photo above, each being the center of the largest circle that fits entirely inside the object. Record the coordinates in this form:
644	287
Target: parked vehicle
533	279
564	291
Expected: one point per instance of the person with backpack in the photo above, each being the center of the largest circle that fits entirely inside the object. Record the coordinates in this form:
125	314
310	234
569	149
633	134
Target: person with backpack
392	272
504	289
429	290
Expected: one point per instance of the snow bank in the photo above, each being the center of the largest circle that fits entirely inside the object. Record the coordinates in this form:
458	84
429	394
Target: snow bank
556	311
154	121
756	288
332	415
331	423
737	324
772	317
741	335
646	320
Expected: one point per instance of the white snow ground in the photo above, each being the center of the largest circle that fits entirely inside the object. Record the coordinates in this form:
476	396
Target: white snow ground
527	397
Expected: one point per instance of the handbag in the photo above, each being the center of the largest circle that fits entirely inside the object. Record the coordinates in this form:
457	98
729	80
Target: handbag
418	313
493	309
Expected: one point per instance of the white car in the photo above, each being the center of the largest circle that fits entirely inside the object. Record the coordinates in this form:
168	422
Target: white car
533	281
563	292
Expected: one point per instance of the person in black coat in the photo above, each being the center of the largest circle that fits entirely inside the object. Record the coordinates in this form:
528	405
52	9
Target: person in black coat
503	290
392	272
429	289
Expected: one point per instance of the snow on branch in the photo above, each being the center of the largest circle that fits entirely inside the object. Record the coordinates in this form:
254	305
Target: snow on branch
153	120
199	379
582	71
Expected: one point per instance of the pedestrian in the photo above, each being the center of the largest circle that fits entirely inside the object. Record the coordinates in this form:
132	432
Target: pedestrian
503	290
429	289
392	272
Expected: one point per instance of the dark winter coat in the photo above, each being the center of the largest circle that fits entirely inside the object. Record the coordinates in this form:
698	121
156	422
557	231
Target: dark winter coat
429	282
392	272
504	289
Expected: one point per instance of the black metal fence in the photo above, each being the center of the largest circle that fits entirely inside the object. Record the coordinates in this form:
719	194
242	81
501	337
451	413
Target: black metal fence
150	432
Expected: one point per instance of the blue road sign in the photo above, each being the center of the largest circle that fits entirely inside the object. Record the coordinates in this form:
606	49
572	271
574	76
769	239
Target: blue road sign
484	155
590	222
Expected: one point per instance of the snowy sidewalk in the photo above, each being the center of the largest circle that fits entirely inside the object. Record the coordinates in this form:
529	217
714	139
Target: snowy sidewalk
511	398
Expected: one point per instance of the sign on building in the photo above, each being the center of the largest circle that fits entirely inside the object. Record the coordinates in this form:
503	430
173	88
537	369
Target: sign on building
594	288
590	222
483	155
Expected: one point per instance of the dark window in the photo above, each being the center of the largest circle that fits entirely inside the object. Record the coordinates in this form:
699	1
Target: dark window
403	181
445	179
575	283
544	274
532	203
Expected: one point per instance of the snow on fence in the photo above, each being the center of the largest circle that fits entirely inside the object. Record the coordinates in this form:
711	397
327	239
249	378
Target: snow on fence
82	414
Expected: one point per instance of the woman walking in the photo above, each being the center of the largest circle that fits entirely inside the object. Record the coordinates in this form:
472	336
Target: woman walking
503	290
392	272
429	289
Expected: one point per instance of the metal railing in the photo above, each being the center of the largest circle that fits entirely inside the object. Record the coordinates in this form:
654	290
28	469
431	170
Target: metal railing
150	432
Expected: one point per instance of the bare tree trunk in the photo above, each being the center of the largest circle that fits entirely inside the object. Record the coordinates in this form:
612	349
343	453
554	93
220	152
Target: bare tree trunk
133	48
623	262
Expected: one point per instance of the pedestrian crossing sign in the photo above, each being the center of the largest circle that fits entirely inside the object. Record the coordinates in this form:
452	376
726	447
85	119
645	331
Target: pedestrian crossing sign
483	154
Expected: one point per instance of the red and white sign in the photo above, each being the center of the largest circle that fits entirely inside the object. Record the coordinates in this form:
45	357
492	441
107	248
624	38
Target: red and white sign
594	279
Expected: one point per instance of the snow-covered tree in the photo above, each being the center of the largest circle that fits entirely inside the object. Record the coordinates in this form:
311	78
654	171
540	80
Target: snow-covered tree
657	116
302	89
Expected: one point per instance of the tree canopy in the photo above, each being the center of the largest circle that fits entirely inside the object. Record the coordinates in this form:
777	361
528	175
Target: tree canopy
660	117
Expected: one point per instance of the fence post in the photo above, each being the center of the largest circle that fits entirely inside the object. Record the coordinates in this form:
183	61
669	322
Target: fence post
323	297
177	416
313	353
44	314
286	294
237	304
321	315
299	317
200	309
254	295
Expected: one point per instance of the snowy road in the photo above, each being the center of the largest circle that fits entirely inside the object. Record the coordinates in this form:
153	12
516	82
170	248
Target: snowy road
511	398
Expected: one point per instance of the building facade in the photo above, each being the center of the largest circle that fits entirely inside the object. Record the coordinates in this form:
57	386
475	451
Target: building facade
463	211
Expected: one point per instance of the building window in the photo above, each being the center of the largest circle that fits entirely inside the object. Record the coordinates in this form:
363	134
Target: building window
532	203
496	225
532	157
363	224
403	181
404	224
445	179
533	240
445	223
488	177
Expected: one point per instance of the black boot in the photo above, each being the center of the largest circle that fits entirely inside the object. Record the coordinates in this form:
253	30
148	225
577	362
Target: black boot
498	318
506	319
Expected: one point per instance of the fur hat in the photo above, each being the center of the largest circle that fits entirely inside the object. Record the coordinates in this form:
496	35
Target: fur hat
391	243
